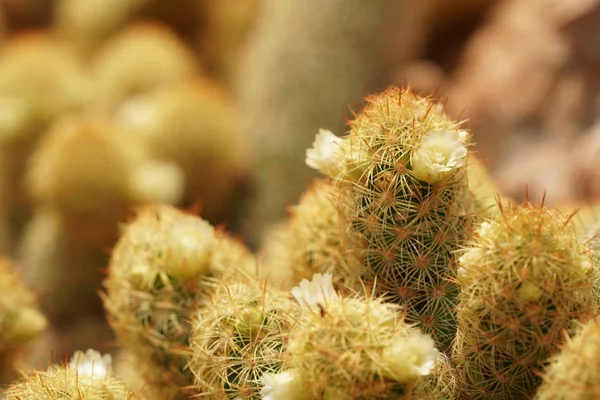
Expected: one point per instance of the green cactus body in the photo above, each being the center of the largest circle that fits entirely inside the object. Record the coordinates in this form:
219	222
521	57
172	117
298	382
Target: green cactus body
358	348
485	191
525	278
157	281
403	192
20	319
87	377
240	335
574	373
40	78
193	126
311	242
140	59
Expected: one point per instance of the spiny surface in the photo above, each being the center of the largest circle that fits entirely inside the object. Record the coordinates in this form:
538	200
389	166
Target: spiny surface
524	279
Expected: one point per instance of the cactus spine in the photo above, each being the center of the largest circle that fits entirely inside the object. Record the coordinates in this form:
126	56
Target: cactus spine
157	281
524	279
402	190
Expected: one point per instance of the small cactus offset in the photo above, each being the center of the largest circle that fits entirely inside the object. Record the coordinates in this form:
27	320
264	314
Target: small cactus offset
574	373
238	336
311	242
351	348
87	377
402	189
525	278
20	319
158	278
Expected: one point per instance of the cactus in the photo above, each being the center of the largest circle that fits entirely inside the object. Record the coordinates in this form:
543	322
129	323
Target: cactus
140	59
311	242
305	64
525	278
574	373
20	319
86	377
88	24
350	348
238	336
193	125
158	278
401	186
40	78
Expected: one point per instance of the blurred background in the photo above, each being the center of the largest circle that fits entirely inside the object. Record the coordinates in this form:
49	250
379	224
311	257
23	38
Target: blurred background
210	105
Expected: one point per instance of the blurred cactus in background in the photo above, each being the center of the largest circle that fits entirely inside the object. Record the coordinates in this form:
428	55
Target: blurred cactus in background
305	65
20	321
40	78
141	58
193	125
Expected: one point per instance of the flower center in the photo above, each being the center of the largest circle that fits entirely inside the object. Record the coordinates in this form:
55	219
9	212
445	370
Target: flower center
437	157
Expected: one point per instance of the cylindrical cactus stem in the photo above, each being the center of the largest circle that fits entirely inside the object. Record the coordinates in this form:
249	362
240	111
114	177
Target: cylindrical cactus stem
525	278
311	242
157	281
350	348
88	376
239	335
20	319
401	184
574	372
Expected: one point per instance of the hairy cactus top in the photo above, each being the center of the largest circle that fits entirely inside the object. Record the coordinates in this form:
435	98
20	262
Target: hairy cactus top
86	377
525	278
159	276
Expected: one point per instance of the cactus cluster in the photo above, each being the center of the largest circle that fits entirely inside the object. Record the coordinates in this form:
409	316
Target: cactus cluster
525	279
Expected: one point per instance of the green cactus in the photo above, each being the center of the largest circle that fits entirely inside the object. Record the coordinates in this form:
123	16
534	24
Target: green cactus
40	78
485	191
86	377
88	24
311	242
143	57
158	278
574	373
401	186
524	279
20	319
351	348
238	336
193	126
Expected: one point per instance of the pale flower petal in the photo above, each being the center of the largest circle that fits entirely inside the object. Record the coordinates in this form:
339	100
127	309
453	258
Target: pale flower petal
324	156
439	154
319	291
91	364
410	358
283	386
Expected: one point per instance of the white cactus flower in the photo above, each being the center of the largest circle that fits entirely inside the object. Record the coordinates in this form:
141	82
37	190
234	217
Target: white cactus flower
91	364
324	156
410	358
282	386
440	153
319	291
